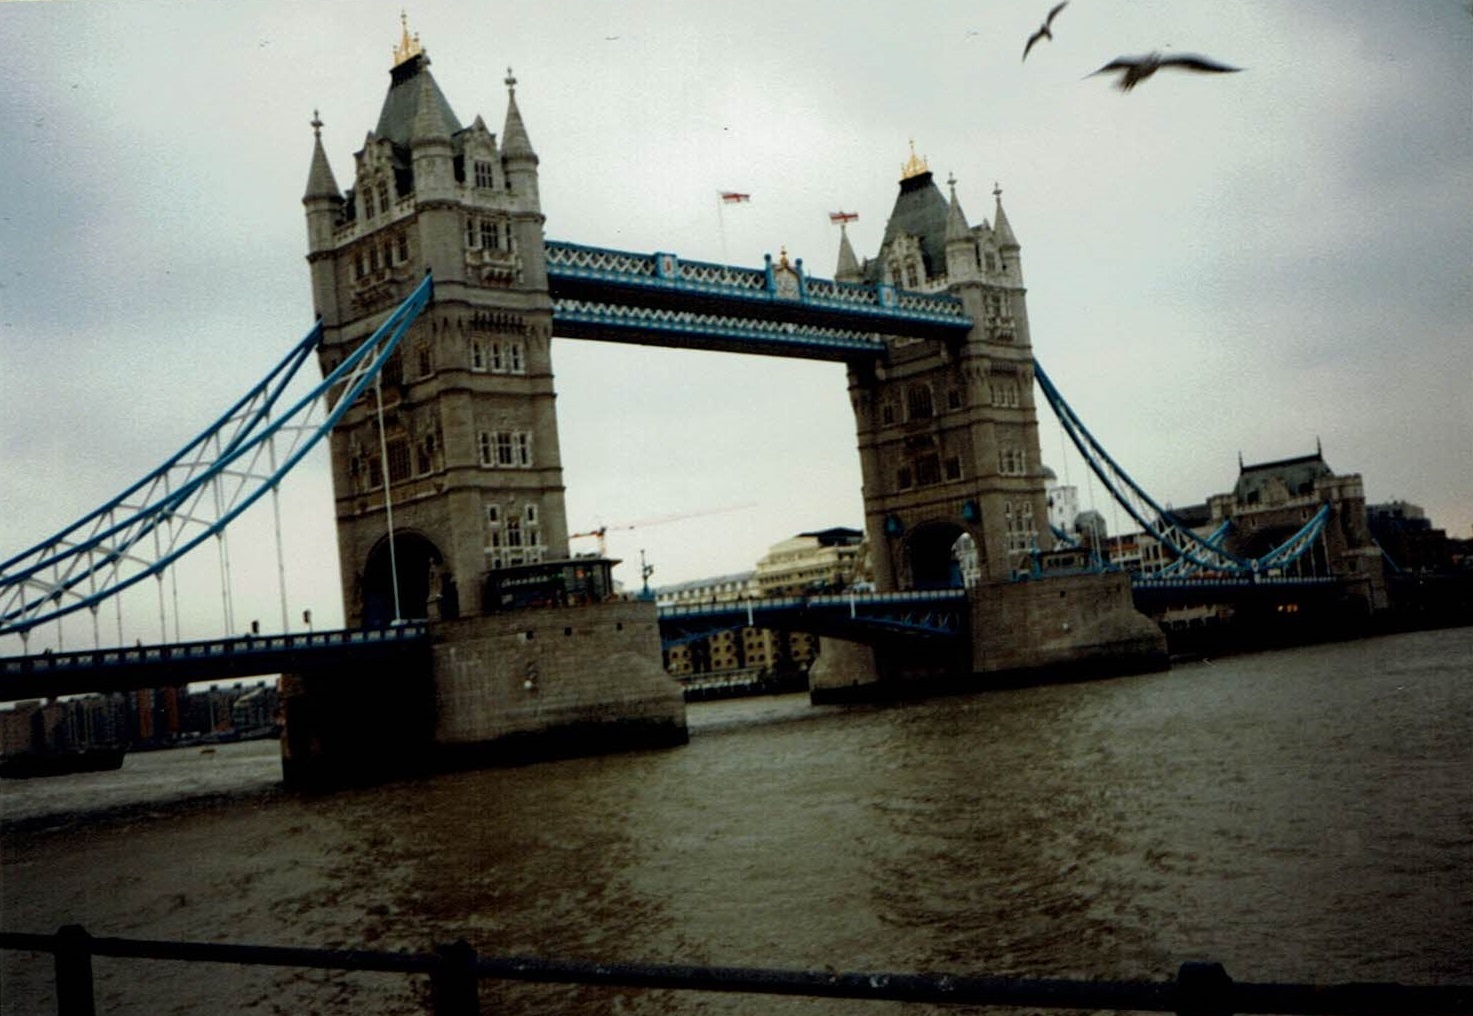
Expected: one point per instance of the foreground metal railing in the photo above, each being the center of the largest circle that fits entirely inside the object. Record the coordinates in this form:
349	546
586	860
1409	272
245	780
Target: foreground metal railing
456	970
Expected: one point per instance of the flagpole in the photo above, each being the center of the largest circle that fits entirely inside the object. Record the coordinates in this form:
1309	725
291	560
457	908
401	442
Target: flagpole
721	229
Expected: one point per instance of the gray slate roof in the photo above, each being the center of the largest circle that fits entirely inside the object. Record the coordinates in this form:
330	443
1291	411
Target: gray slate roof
920	210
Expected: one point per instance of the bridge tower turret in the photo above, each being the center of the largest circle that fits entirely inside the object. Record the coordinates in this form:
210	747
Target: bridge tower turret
473	471
948	436
954	481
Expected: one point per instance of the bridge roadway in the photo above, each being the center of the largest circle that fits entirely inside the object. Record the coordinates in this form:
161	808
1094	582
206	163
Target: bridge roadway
171	665
859	617
869	617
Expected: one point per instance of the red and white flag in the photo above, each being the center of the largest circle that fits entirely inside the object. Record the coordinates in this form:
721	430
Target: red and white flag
734	197
842	217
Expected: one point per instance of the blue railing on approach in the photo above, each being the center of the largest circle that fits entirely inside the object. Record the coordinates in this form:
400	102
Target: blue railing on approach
254	645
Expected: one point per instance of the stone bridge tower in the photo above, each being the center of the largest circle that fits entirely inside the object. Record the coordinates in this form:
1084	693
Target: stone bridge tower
948	435
469	428
527	654
954	482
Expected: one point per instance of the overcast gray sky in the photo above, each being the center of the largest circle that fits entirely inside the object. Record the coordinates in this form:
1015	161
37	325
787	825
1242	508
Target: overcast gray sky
1215	265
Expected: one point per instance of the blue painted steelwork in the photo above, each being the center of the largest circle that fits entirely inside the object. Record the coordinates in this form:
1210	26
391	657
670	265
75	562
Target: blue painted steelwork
868	617
108	550
668	272
1182	567
661	299
168	665
591	319
1201	553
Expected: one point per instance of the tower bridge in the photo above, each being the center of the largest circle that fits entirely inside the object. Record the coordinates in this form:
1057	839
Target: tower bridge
433	281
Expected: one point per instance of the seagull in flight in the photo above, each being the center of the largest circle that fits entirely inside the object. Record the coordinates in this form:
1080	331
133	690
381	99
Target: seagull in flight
1138	68
1043	30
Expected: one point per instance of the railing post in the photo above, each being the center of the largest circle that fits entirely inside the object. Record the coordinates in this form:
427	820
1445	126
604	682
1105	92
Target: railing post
1203	989
454	986
74	972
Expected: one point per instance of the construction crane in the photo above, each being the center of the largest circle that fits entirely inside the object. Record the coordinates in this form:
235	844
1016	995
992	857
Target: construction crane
602	531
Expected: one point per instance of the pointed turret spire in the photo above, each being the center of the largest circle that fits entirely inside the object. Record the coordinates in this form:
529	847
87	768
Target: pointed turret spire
320	181
430	120
848	267
514	140
956	219
1000	223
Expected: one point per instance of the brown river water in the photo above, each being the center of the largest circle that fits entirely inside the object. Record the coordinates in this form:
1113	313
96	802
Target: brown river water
1303	815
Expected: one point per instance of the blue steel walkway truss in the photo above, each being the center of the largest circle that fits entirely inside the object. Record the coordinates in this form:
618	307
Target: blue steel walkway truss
660	299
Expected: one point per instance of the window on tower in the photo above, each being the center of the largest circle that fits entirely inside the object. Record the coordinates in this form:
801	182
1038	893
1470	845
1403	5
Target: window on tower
488	234
398	460
383	195
483	173
918	402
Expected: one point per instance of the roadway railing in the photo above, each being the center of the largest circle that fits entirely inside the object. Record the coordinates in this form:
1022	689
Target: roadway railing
456	971
921	596
208	649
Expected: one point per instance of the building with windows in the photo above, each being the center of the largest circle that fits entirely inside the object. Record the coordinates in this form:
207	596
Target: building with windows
825	560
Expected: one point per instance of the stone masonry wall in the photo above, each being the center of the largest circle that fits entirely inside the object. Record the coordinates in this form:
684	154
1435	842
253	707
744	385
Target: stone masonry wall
1086	623
533	672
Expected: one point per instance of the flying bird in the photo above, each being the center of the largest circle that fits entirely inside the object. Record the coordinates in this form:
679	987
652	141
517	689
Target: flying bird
1043	30
1138	68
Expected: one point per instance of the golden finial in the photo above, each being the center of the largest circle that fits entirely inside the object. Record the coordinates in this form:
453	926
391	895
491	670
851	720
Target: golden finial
783	260
408	45
915	165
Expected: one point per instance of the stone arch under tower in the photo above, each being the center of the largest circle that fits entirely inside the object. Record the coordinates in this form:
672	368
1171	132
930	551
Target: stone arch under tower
935	556
422	576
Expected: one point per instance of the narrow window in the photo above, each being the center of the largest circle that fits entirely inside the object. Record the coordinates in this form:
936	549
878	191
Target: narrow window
483	442
403	247
488	234
483	173
369	211
919	402
504	453
383	195
524	448
514	362
398	461
498	365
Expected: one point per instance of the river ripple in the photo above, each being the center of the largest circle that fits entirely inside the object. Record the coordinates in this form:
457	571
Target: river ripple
1304	815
